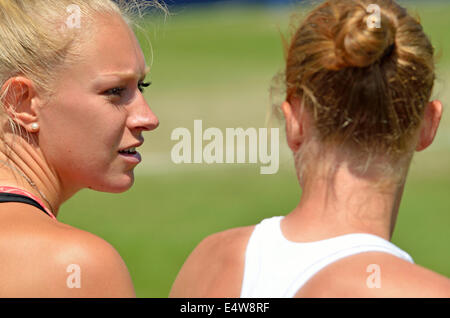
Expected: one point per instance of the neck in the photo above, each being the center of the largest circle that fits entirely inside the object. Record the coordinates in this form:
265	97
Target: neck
23	165
348	205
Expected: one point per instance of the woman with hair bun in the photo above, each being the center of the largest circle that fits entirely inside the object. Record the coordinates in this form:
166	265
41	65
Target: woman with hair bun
357	108
72	77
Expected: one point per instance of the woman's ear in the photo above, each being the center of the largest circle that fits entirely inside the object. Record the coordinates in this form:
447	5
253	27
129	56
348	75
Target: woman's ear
19	101
428	130
294	125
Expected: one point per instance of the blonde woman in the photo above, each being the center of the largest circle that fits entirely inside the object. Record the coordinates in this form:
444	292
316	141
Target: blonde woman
72	75
357	108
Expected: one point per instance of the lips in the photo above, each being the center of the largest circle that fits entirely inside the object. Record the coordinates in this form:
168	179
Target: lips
134	158
128	151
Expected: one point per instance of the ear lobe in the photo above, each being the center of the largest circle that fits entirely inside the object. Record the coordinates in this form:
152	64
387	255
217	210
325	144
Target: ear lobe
293	125
430	125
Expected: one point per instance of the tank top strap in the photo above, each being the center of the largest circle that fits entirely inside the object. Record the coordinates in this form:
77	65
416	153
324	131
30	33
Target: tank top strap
22	192
263	236
341	247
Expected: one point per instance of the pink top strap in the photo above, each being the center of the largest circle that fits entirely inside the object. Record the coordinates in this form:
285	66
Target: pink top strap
6	189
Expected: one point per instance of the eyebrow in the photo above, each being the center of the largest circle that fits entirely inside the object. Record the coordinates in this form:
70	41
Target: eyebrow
129	75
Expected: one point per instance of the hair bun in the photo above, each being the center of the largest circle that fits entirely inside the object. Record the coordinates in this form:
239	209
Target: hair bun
361	42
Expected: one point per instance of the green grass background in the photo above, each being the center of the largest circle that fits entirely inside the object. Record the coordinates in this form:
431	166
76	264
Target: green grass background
217	64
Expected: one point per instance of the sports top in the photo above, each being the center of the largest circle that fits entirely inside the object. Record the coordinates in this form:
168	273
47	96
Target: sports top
12	194
277	268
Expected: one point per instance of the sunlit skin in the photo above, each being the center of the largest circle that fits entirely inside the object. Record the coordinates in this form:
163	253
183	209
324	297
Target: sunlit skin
215	268
98	109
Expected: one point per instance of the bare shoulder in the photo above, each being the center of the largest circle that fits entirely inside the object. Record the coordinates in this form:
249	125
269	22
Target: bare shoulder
215	267
103	273
51	259
375	274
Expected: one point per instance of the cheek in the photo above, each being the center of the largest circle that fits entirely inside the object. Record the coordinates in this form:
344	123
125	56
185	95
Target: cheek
84	144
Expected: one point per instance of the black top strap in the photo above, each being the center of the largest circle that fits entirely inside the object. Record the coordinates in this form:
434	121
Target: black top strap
12	197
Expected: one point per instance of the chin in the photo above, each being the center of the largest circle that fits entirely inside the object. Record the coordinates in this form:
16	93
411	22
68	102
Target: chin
118	185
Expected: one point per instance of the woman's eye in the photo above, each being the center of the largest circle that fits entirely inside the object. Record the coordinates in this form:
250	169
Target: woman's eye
117	91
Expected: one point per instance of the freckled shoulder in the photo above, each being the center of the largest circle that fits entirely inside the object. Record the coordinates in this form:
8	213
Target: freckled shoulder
216	266
375	275
51	259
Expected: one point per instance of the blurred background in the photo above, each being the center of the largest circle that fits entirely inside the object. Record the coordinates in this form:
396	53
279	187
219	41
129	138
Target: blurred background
215	61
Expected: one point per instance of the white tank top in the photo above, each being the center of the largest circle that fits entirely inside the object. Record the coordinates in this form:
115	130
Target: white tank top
278	268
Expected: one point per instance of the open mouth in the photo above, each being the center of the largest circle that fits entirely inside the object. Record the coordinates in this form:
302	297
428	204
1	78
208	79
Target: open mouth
131	155
128	152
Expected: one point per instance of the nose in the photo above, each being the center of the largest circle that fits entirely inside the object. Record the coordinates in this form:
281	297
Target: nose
142	117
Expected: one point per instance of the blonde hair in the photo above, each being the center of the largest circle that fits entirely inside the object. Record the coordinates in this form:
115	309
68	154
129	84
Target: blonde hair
365	88
37	42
